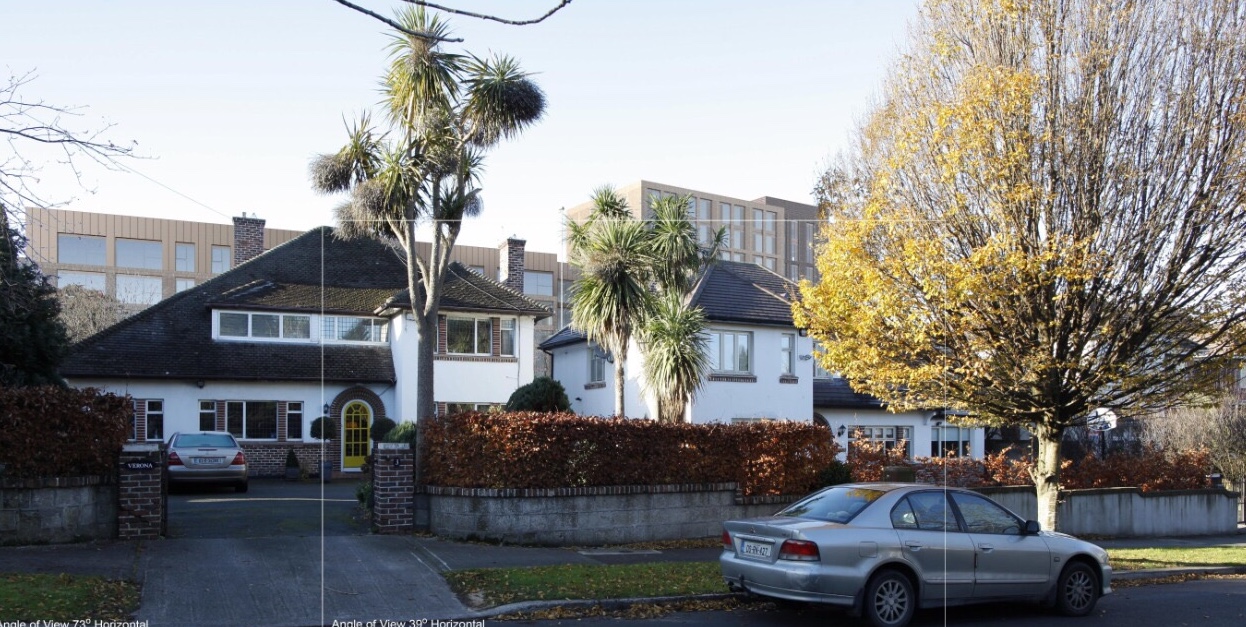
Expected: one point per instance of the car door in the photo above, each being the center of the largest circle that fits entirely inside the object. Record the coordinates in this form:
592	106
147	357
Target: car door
931	540
1008	563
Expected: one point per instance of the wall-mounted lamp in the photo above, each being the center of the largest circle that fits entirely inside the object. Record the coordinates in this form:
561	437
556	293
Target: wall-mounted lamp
802	332
842	430
327	409
199	384
578	398
806	357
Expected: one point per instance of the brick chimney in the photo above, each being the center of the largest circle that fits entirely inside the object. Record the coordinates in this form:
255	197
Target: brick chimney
510	263
248	238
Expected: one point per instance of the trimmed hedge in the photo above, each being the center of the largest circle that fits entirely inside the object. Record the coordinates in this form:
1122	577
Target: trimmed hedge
520	450
51	431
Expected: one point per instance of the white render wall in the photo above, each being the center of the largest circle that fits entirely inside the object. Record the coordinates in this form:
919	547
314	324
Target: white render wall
920	421
571	365
477	381
181	398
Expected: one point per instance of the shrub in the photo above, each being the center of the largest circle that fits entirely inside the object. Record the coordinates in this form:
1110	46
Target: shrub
380	427
542	395
403	432
323	428
292	460
52	431
835	473
363	494
536	450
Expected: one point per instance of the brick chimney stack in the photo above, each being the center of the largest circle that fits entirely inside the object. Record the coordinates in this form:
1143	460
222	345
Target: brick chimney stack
510	263
248	238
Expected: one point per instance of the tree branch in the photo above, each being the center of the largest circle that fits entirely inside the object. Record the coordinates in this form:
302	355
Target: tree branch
425	35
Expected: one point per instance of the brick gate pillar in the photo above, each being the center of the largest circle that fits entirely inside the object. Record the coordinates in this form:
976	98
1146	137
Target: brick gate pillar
142	492
393	488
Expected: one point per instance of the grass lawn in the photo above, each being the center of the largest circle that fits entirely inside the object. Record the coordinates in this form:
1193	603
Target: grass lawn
489	587
65	598
1173	557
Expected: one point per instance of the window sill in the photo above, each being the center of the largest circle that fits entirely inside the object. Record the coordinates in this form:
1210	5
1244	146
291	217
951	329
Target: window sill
734	378
475	358
597	385
787	378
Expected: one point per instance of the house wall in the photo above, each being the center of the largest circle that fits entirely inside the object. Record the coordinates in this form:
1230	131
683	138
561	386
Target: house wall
571	368
475	380
767	397
921	423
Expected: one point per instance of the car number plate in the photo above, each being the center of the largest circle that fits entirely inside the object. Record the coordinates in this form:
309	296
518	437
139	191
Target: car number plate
207	460
755	549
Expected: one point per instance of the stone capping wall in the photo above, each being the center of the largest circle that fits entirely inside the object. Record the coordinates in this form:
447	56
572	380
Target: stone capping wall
393	488
591	515
57	509
1130	512
142	491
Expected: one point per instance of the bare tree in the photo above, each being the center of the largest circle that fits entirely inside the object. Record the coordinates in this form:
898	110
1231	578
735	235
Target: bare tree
33	127
436	37
1044	215
1219	427
85	312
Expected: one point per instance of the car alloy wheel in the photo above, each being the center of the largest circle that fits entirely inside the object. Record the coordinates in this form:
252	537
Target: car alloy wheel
889	600
1078	590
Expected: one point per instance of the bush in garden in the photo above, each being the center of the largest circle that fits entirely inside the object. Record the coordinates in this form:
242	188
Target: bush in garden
323	428
538	450
835	473
542	395
52	431
403	432
380	427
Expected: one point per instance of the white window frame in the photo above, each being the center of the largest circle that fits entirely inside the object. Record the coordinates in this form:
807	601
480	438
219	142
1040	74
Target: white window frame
243	431
379	326
295	408
716	344
206	407
596	364
889	435
960	446
476	323
155	410
281	327
787	354
508	327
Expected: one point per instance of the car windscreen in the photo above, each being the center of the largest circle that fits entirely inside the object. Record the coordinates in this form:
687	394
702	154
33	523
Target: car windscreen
215	440
838	505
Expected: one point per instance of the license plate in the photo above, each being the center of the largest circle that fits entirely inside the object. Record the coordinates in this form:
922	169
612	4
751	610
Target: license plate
207	460
755	549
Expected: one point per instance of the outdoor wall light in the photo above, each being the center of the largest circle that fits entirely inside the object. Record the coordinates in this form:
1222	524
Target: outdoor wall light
842	430
802	332
199	384
327	409
806	357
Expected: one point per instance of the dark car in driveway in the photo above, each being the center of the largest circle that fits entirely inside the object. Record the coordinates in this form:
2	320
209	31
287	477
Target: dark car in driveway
883	550
207	457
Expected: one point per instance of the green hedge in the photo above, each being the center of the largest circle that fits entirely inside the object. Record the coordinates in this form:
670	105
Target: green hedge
51	431
539	450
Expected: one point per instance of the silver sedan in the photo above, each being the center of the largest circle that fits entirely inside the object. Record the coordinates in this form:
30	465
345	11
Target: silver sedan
883	550
207	457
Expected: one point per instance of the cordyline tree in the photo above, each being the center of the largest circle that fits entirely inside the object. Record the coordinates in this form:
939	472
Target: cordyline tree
1043	216
445	110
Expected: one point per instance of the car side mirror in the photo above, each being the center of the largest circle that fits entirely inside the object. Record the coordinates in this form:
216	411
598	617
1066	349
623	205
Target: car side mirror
1031	528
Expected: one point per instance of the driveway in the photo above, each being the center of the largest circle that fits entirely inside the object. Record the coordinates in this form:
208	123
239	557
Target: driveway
271	507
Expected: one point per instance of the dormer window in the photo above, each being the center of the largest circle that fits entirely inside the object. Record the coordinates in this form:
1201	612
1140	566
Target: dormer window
292	327
265	325
352	329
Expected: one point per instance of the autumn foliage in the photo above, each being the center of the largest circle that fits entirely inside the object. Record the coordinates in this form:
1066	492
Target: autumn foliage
51	431
537	450
1151	469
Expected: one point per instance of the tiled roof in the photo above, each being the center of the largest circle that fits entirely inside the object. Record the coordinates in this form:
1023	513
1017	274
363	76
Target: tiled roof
563	337
467	291
173	338
837	393
731	291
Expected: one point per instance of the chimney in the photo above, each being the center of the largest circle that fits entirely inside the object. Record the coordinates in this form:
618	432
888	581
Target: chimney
248	238
510	263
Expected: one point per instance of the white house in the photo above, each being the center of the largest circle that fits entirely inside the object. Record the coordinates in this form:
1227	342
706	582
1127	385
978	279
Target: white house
316	326
761	369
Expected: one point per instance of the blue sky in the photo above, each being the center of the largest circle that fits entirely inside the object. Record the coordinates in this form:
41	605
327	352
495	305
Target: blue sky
229	100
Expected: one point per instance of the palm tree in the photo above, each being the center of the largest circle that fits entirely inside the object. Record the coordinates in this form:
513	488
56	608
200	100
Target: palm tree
611	298
676	358
445	111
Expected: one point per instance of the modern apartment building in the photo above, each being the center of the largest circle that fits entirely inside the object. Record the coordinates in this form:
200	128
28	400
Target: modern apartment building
773	233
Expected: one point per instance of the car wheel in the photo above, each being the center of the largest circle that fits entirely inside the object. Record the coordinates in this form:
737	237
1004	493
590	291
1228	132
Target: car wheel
889	600
1077	590
241	487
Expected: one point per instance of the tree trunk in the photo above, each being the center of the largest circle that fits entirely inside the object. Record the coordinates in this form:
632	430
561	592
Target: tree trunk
1047	475
619	369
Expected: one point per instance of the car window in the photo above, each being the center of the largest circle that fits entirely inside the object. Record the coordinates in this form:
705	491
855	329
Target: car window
218	440
837	504
932	512
902	516
983	515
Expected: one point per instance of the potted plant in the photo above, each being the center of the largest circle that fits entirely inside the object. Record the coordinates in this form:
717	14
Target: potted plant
293	472
323	428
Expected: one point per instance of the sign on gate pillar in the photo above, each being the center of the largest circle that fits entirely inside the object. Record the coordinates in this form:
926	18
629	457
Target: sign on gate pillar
141	490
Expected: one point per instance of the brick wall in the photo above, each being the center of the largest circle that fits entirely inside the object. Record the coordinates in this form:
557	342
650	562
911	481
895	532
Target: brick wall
141	491
268	459
393	488
511	265
248	238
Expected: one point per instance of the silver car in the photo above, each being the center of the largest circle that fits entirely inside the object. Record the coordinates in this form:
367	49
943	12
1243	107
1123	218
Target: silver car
207	457
883	550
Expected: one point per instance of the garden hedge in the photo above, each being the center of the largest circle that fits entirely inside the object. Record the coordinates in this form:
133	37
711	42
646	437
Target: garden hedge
51	431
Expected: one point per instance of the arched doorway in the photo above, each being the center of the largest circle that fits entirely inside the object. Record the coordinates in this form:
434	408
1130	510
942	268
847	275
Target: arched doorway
356	443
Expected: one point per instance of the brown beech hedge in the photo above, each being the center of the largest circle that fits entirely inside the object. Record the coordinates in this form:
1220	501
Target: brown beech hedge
538	450
51	431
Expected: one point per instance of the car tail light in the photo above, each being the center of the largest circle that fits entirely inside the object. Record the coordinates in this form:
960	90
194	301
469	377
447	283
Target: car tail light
174	460
727	544
799	550
239	460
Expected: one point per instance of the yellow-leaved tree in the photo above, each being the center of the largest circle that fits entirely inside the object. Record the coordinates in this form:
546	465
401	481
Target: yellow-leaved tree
1043	215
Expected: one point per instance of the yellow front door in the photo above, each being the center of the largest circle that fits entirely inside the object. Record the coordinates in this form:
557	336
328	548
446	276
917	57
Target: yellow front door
356	420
